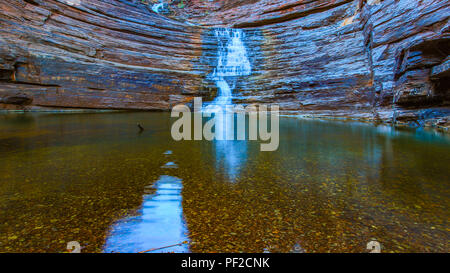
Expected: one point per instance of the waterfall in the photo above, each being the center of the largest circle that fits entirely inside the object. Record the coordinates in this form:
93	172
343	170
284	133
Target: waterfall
157	7
224	97
232	62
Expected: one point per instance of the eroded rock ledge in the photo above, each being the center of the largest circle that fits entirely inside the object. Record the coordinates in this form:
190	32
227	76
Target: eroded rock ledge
367	59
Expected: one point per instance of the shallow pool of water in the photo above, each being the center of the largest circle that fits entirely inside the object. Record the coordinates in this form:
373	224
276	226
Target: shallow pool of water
330	187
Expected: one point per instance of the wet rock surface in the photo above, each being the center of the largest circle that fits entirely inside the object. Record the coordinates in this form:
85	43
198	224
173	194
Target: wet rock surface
373	60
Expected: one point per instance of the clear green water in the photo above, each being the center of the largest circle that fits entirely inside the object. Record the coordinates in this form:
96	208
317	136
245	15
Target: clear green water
330	187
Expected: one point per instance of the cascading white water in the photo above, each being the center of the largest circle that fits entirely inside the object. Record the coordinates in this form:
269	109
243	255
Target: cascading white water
232	61
157	7
224	97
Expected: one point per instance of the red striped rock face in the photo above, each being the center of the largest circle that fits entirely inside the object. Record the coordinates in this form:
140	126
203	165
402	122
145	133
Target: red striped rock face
348	58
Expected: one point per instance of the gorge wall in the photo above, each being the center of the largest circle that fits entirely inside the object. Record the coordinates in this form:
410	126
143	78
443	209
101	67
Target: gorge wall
365	59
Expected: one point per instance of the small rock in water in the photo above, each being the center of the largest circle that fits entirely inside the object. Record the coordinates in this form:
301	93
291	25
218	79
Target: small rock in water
298	249
170	165
141	129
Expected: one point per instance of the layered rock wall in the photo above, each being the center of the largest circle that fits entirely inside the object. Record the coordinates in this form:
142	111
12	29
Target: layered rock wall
369	59
97	54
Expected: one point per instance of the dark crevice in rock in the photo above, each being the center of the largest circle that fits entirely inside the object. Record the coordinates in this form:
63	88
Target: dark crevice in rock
422	55
416	85
6	75
32	2
17	99
37	84
96	89
442	88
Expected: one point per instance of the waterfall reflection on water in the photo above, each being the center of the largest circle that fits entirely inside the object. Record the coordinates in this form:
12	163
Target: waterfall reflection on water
232	62
230	155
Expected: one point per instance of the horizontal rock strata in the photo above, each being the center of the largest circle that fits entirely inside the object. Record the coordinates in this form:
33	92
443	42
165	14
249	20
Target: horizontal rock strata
366	59
99	54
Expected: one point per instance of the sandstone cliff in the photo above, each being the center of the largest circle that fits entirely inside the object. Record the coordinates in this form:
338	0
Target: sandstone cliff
369	59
